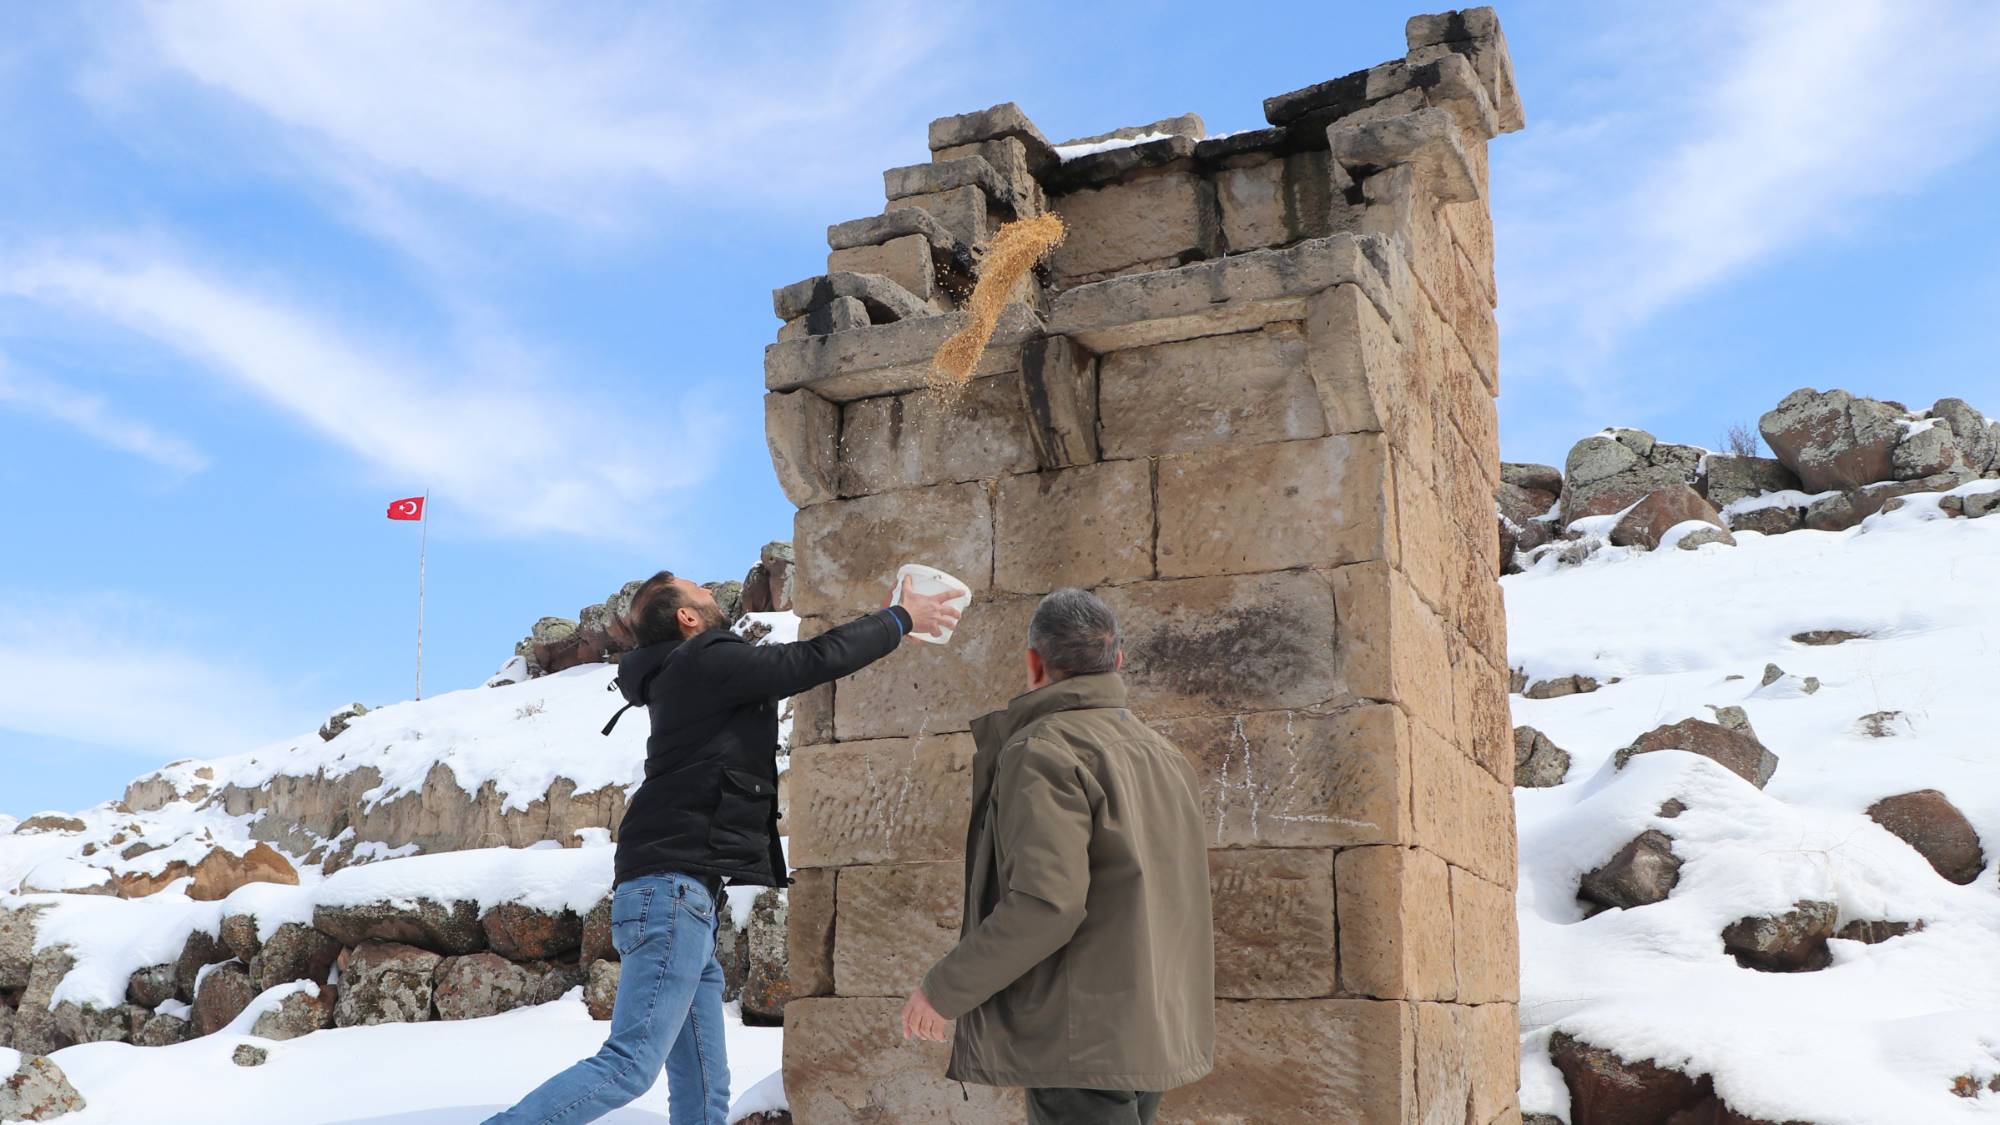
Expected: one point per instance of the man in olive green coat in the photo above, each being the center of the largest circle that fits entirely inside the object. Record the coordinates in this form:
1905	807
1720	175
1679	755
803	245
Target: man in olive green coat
1086	967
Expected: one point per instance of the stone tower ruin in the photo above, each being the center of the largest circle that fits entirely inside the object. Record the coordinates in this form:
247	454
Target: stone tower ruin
1249	401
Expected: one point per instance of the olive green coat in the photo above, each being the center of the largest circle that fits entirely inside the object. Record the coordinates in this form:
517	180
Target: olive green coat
1087	957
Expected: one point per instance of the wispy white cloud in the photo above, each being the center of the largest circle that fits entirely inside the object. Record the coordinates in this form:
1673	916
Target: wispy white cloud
477	423
583	115
130	686
1734	136
93	417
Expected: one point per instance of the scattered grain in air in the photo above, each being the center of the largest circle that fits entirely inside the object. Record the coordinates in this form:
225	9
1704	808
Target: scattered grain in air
1016	248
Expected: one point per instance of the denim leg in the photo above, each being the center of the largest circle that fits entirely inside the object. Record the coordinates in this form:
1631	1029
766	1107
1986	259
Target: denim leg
662	957
698	1064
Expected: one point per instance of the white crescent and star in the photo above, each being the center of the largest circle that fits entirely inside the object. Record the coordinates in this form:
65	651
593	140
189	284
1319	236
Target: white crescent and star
406	507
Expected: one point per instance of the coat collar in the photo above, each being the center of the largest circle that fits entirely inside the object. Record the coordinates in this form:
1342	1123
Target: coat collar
1078	693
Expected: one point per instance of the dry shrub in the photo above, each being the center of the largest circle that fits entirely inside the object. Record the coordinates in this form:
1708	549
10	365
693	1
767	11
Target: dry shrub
1016	248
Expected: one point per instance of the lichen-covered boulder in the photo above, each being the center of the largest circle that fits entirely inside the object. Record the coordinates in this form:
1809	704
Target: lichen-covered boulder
1928	821
1727	478
295	952
239	935
1605	1089
1643	872
247	1054
520	932
17	945
1794	941
87	1023
297	1013
1927	449
163	1029
767	981
35	1026
1737	750
386	982
1977	437
450	928
37	1091
225	990
600	990
200	950
1848	509
1648	522
1611	471
483	984
594	940
1834	440
1538	763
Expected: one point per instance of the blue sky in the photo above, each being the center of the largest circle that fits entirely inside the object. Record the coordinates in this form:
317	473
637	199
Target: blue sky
265	267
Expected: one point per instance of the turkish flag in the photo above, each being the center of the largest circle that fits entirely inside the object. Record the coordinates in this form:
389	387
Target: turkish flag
410	509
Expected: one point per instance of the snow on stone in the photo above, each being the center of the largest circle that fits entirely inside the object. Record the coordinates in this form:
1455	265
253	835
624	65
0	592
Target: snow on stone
1072	152
1877	1037
443	1073
1784	498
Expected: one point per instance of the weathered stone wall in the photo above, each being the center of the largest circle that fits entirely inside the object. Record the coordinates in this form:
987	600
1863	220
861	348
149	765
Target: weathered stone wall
1250	402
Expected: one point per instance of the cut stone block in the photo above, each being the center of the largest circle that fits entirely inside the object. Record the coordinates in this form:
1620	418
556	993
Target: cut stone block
884	299
1113	228
1087	526
846	1061
1059	387
961	211
1427	140
1228	645
1236	293
1486	943
1119	164
944	175
1012	164
1350	1062
876	230
848	553
1396	924
889	358
916	438
905	261
1301	779
922	688
1235	389
1003	120
1274	929
1393	648
809	919
1276	201
893	923
891	800
1243	509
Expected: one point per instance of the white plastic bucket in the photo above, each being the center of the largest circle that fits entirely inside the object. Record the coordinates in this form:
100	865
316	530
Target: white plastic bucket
929	581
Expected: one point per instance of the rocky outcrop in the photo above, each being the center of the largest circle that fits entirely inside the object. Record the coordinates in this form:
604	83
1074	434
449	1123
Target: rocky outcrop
1736	750
296	951
221	872
768	586
486	984
1728	478
1616	469
1928	821
1834	440
337	722
767	985
1662	510
1644	871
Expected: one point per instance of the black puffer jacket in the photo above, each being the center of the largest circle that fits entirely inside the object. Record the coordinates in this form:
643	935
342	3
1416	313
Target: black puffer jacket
709	804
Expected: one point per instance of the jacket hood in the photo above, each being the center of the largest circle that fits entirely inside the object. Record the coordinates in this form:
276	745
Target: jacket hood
634	667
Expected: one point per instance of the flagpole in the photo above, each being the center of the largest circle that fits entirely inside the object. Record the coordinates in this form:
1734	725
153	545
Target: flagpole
423	553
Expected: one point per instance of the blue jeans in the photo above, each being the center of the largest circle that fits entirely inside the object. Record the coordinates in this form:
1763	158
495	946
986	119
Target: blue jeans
668	1013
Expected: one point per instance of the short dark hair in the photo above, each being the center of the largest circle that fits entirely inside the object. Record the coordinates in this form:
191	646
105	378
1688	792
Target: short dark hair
1074	633
654	604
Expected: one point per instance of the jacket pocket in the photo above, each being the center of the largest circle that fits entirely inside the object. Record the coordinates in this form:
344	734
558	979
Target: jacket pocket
742	823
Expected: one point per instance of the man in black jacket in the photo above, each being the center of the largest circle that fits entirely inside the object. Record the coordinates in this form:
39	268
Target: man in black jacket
707	812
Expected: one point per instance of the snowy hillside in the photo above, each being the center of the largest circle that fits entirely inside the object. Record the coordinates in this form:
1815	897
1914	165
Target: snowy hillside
1881	1034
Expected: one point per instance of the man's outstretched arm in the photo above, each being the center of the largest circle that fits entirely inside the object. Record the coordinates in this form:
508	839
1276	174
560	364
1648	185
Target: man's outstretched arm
745	672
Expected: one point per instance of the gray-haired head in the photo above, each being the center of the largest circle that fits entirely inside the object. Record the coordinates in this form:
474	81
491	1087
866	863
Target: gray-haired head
1074	633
